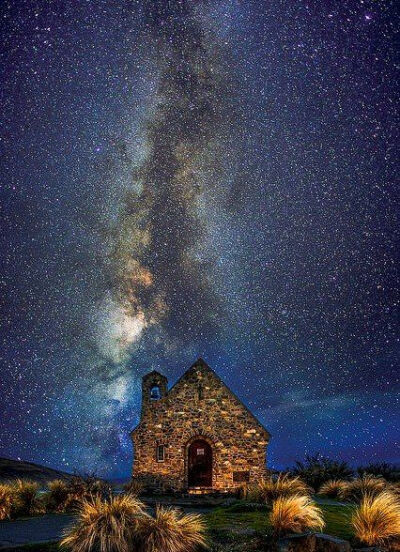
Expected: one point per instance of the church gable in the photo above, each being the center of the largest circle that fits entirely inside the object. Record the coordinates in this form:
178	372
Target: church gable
201	384
197	434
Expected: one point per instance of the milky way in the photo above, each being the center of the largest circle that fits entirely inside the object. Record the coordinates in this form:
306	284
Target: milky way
185	179
161	275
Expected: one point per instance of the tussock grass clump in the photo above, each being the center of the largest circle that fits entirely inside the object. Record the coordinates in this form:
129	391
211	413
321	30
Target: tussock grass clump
285	485
57	497
119	524
250	493
376	521
6	501
134	487
270	489
104	525
358	488
81	489
26	498
295	514
170	531
335	488
394	488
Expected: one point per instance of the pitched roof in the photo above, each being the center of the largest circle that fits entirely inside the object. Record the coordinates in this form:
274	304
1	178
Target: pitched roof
154	372
201	363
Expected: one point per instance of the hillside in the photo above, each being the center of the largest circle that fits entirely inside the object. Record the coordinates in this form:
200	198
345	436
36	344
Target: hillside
12	469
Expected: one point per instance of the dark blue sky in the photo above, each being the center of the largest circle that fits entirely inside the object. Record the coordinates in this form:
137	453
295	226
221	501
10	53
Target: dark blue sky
185	179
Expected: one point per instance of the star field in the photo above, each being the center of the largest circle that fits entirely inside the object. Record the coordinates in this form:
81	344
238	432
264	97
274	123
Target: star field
185	179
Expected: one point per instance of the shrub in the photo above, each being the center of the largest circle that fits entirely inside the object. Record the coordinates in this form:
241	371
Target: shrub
6	501
104	525
295	514
270	489
390	472
26	497
84	488
367	485
317	469
170	531
57	498
376	521
134	487
335	488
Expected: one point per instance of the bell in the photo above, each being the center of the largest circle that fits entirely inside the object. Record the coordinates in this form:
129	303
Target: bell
155	393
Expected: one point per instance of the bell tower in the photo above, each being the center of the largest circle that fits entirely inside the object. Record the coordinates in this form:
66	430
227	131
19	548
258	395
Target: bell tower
154	388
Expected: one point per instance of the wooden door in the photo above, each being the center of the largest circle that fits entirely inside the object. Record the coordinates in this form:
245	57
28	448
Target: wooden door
200	464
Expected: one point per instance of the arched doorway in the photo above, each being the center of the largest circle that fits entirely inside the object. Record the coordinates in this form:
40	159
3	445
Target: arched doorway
200	464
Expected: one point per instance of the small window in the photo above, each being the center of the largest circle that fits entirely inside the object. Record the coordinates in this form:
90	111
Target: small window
241	477
155	393
200	391
160	453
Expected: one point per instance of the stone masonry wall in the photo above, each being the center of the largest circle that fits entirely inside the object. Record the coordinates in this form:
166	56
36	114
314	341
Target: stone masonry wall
198	406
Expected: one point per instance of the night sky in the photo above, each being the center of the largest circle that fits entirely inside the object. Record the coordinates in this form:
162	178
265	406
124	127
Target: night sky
191	178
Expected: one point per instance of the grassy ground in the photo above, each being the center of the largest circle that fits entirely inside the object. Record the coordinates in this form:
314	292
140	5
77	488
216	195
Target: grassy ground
237	525
242	527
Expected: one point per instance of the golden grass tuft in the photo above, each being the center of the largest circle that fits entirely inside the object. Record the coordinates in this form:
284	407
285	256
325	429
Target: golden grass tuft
134	487
376	521
170	531
335	488
270	489
104	525
394	488
120	524
82	489
288	486
250	492
57	497
26	497
6	501
295	514
355	490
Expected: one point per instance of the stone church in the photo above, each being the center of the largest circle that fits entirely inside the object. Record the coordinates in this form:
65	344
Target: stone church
197	436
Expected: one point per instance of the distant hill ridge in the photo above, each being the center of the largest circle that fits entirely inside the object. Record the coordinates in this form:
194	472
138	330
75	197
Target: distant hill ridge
13	469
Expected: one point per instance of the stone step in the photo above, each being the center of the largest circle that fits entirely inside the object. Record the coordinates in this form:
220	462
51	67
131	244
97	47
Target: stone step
200	490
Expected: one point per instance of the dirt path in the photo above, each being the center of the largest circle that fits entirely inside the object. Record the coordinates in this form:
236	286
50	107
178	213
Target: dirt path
37	529
50	527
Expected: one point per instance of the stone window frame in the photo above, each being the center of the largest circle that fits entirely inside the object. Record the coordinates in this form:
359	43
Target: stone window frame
160	447
241	476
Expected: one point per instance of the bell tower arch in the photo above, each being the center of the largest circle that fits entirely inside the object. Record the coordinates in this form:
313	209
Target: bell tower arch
154	388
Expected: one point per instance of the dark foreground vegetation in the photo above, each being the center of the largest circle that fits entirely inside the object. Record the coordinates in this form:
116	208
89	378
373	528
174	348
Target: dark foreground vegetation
318	495
317	469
